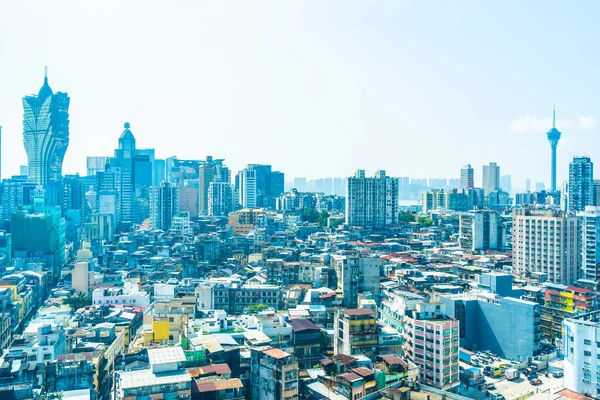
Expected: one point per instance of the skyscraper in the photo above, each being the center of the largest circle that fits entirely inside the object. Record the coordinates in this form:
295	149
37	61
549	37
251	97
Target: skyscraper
210	171
247	188
220	198
581	184
46	133
553	138
506	184
466	177
590	243
164	205
372	202
491	178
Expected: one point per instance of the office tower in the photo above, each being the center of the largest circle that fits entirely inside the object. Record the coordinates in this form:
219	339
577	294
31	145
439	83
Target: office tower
498	200
273	374
116	183
491	177
96	164
581	184
39	233
210	171
24	170
46	134
220	199
247	188
372	202
355	332
481	230
159	172
268	185
528	185
547	242
589	222
553	138
15	193
164	205
506	184
300	184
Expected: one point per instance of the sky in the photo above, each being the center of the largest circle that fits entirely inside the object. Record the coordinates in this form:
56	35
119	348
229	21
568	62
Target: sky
315	88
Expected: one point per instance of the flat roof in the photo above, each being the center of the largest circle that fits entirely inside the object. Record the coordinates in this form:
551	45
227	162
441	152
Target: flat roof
145	378
276	353
166	355
358	311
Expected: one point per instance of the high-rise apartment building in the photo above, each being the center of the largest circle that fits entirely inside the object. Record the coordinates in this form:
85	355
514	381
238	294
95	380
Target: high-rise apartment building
46	134
356	274
481	230
273	374
221	199
247	188
596	192
467	177
491	177
440	199
164	205
210	171
355	331
590	243
581	184
372	202
546	241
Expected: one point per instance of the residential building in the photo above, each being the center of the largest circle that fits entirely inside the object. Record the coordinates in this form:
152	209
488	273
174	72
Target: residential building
210	171
581	349
247	188
467	180
440	199
491	177
166	377
307	339
355	331
562	302
129	294
546	241
273	374
432	342
164	205
581	184
590	243
356	274
372	202
481	230
221	199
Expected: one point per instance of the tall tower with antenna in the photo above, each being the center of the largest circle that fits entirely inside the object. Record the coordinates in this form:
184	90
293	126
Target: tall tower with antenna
553	137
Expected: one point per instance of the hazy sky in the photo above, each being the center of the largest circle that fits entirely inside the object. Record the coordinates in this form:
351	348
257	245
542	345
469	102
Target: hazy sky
315	88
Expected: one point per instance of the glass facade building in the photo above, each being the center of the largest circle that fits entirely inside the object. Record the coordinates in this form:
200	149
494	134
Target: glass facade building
46	134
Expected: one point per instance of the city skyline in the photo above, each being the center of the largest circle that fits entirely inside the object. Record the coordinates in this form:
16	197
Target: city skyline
206	109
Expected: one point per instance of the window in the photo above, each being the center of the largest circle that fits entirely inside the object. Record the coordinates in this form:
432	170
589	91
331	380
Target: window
587	342
587	353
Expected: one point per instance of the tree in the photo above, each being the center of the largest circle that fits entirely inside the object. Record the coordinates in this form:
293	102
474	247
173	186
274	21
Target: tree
425	221
310	215
79	301
406	217
256	308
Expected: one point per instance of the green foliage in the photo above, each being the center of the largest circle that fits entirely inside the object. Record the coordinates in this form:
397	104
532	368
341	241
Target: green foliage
406	217
312	216
256	308
335	222
79	301
425	221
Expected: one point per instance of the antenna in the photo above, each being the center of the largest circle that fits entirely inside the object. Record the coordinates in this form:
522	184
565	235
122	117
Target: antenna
46	72
554	114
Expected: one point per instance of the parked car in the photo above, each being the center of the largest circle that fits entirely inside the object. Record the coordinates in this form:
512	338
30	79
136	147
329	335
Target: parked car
557	375
489	386
536	382
532	376
497	396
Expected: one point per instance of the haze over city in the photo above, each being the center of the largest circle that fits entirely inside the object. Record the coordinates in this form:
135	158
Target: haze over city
315	89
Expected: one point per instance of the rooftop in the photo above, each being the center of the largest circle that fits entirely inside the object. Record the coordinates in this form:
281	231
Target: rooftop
145	378
358	311
276	353
166	355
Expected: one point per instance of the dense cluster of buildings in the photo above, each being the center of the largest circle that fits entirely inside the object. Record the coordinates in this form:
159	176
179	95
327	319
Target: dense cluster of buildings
172	277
